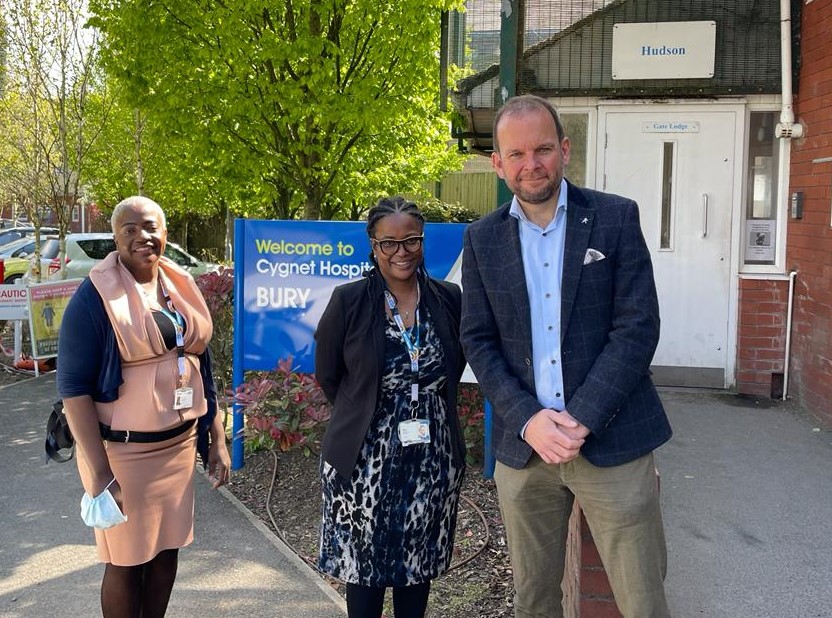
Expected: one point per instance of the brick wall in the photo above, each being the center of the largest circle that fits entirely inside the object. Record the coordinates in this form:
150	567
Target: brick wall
809	240
586	588
761	341
597	600
572	572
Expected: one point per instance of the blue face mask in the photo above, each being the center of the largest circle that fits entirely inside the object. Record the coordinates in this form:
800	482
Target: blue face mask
101	511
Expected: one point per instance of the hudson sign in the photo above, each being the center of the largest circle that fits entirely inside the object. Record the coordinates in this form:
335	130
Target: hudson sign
664	50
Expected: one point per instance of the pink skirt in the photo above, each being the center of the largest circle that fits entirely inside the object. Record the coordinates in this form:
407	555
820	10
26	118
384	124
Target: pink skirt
157	484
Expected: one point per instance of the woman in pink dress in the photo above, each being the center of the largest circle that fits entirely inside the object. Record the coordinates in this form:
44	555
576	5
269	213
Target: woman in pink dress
135	377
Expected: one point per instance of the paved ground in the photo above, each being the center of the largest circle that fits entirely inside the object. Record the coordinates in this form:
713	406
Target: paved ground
747	495
745	486
236	567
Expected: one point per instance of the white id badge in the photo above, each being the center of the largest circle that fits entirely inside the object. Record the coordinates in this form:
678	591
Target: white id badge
414	431
183	398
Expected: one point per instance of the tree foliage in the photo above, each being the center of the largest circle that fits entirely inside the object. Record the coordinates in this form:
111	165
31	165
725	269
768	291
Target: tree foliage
310	106
50	70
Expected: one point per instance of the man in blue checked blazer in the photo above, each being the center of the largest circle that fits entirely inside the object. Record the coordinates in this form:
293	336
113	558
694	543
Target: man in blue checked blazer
560	321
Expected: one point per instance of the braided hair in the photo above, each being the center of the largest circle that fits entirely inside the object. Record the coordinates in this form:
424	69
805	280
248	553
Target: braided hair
390	206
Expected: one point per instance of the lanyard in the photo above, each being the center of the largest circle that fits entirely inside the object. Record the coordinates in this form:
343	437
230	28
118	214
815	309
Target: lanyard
179	327
411	343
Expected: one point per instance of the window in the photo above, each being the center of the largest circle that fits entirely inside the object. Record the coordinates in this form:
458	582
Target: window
49	248
668	150
98	248
575	126
178	256
762	188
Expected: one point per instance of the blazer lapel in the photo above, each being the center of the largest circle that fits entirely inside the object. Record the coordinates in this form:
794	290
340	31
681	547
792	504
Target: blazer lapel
579	221
510	263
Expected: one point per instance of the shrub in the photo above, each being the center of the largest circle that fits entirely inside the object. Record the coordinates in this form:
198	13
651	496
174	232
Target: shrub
284	409
471	410
437	211
218	290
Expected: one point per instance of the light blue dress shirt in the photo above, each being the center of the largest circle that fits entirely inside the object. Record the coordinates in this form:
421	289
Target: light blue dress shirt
542	251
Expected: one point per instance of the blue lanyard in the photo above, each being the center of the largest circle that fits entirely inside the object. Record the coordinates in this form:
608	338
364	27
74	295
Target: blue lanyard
412	344
179	327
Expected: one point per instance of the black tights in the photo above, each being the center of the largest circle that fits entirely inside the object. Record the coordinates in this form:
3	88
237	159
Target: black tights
141	591
368	602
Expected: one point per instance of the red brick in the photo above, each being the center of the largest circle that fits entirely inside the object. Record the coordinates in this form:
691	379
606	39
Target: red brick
760	390
590	556
764	366
599	608
770	354
757	296
776	306
758	342
594	582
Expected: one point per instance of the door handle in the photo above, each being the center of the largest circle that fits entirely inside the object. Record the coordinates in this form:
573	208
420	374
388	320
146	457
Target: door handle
704	215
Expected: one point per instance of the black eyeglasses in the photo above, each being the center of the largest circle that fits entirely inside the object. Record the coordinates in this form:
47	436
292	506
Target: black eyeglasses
391	247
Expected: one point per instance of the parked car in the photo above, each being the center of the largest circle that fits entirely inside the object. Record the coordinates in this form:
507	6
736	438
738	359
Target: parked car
10	234
18	256
83	251
23	247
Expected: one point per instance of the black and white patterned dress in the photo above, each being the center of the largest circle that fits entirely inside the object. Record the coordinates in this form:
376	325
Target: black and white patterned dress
393	522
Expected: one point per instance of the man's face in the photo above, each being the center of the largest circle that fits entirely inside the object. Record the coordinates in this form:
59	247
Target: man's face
531	158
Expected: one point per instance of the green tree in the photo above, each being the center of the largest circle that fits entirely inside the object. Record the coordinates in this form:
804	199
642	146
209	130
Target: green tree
51	69
315	105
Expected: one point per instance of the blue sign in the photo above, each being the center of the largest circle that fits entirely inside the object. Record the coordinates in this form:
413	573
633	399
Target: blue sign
284	274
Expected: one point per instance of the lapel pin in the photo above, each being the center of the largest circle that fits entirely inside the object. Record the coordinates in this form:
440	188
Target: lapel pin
584	220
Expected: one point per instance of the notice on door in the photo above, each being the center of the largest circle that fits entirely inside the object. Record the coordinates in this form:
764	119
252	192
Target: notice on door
677	126
759	240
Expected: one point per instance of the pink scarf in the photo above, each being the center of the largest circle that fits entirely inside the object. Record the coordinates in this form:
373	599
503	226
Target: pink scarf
136	331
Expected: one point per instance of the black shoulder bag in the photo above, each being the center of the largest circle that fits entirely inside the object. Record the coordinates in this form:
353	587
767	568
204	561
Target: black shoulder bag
58	436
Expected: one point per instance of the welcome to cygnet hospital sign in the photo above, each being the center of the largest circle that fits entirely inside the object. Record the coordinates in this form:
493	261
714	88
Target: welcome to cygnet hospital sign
284	274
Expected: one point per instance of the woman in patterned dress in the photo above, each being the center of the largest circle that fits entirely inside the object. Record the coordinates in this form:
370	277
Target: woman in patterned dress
393	457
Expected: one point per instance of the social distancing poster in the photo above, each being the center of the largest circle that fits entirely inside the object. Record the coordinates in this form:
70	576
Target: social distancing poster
47	303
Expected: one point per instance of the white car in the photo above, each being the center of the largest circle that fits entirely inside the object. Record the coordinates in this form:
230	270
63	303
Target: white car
11	234
18	257
83	251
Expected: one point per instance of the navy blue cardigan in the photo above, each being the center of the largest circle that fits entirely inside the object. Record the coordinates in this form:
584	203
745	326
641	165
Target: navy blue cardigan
89	361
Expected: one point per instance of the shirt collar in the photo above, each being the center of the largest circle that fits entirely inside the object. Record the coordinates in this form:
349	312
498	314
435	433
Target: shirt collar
517	212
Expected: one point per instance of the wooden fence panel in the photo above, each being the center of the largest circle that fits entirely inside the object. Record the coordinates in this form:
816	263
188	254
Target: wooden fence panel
474	190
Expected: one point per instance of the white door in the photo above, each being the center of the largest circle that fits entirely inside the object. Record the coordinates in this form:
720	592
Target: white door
679	166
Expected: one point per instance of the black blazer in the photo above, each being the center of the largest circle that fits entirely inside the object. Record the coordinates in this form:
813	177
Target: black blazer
349	361
609	329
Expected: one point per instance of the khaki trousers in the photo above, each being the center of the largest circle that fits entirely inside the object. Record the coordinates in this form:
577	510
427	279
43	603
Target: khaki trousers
621	505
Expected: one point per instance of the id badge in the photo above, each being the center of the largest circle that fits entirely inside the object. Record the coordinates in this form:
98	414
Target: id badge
183	398
414	431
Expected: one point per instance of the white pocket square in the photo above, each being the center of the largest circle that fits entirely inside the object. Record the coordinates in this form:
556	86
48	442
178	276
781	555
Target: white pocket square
593	255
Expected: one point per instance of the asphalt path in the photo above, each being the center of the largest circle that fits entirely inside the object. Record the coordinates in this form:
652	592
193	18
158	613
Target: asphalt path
747	500
48	565
746	494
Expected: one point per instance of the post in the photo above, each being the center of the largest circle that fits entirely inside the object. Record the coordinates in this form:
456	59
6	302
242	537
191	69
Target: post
511	50
238	421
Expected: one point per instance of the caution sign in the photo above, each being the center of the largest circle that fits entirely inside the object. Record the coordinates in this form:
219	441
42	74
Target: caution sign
14	302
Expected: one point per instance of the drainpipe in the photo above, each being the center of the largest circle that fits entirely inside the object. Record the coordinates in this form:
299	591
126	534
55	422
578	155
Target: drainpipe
786	128
792	276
